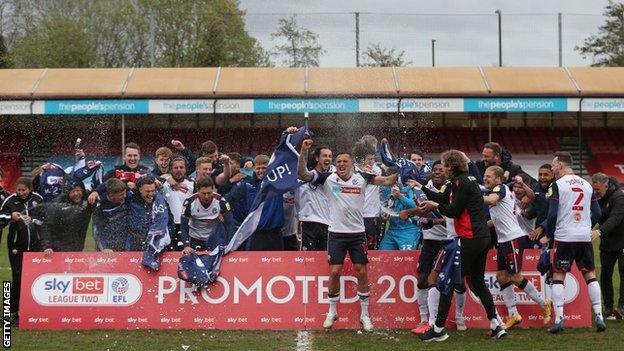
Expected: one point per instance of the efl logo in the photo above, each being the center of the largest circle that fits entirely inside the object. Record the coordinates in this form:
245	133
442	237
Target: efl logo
88	285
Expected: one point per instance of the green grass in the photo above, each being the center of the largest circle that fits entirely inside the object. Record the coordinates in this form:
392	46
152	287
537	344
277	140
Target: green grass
343	340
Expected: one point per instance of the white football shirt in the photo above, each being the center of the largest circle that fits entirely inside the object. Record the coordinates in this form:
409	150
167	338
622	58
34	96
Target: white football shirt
504	216
574	214
345	199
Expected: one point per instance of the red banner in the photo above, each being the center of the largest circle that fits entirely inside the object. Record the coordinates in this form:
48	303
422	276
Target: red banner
256	290
610	164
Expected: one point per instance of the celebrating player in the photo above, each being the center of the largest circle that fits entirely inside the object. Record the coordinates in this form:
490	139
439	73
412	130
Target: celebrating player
572	211
345	191
509	250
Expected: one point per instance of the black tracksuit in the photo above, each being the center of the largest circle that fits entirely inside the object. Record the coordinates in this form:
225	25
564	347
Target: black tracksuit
463	202
65	225
612	242
22	237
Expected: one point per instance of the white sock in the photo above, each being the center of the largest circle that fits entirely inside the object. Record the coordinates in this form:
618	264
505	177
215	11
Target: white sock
547	290
333	304
510	299
423	304
530	290
433	300
460	301
364	298
594	296
558	301
494	323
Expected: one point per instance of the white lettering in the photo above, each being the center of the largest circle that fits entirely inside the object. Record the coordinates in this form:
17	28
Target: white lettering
238	287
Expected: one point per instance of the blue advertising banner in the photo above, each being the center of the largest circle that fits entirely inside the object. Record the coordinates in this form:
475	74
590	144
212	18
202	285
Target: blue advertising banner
306	105
516	105
95	107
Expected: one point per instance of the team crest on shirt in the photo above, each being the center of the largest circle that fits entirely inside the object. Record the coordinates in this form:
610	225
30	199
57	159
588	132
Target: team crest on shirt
214	211
442	188
549	193
577	217
496	189
354	181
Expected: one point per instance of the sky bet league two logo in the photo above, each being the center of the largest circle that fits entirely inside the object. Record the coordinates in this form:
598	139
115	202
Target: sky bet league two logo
85	289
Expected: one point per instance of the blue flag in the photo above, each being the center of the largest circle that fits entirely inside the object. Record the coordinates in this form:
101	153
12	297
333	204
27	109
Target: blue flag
407	168
280	177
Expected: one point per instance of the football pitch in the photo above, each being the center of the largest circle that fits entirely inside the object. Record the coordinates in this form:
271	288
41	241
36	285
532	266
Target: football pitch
343	340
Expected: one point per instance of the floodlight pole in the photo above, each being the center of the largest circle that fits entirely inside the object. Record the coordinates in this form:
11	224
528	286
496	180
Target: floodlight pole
500	39
433	52
357	39
123	134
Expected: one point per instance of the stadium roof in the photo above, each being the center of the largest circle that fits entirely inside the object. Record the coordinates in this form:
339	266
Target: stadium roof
310	83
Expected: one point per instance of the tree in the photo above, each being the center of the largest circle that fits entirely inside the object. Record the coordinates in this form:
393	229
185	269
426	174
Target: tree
58	41
607	48
376	55
301	47
4	54
132	33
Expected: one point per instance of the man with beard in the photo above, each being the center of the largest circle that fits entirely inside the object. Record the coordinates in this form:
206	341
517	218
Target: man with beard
539	210
200	213
66	221
141	213
345	191
311	204
176	195
495	155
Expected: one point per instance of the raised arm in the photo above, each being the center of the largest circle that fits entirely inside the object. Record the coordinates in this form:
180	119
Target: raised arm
302	163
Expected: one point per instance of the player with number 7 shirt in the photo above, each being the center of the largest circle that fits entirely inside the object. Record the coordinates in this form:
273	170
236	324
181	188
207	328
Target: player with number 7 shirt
572	212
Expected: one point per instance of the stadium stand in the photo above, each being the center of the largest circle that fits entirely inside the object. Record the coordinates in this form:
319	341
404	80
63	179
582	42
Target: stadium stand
105	144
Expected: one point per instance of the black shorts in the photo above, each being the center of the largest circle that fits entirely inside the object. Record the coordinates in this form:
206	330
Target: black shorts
338	244
313	236
509	255
372	227
291	243
429	254
565	253
198	244
266	240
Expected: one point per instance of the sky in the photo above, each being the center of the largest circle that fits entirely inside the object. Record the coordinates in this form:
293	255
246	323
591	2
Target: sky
465	32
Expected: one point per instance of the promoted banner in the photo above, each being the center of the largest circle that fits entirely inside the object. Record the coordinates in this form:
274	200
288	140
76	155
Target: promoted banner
516	105
256	290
